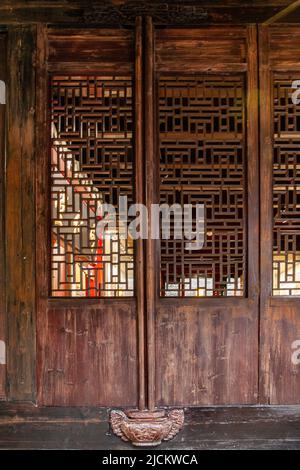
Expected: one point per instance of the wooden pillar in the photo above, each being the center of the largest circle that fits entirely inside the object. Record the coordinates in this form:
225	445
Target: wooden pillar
150	199
2	217
139	183
266	222
20	213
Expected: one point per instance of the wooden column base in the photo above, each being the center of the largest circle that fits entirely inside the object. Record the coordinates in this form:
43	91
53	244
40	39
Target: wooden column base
146	428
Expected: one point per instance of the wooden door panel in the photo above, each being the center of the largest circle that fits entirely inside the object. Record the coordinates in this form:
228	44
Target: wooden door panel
280	302
87	358
197	49
206	355
279	375
207	348
87	345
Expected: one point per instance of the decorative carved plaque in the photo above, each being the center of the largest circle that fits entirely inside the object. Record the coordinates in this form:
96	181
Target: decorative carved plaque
145	428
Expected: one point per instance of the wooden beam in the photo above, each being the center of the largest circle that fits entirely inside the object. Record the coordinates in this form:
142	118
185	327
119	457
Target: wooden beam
20	213
85	428
283	13
124	12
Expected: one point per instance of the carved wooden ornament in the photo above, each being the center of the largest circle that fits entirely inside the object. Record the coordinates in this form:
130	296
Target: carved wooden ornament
146	428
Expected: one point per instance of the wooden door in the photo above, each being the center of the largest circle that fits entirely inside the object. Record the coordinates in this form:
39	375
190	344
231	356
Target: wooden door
280	243
205	303
87	314
172	120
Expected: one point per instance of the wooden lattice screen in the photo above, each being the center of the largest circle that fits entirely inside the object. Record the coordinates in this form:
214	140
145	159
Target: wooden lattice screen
286	188
202	161
92	163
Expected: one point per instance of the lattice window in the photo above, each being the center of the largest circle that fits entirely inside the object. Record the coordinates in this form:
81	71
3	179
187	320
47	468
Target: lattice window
286	189
202	161
91	163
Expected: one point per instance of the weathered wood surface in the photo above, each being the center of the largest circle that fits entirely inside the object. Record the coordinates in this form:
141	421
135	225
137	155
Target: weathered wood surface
120	12
280	317
94	49
25	427
206	355
88	356
20	213
87	348
2	216
207	349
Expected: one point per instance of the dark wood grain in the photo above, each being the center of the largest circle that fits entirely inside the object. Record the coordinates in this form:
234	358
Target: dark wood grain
206	356
2	216
165	12
25	427
20	213
95	49
283	46
197	50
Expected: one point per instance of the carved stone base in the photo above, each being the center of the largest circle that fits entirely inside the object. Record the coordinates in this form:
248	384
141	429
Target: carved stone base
146	428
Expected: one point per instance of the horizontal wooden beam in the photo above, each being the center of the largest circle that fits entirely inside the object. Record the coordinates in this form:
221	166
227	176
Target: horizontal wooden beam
28	427
124	12
8	4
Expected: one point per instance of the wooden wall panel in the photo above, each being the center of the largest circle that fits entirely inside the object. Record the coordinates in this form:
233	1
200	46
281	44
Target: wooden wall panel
197	50
95	49
20	213
206	356
88	356
2	221
280	317
284	51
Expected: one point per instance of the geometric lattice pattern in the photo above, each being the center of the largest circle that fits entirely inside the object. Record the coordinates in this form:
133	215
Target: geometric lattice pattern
202	161
91	164
286	189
